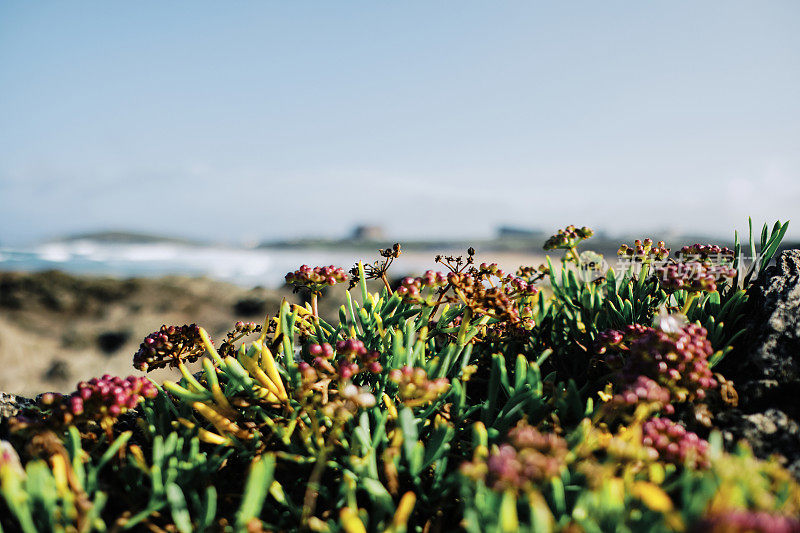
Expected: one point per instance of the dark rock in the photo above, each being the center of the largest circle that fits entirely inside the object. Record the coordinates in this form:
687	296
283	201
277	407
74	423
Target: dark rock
76	340
765	368
250	307
768	373
55	291
10	297
768	433
58	371
111	341
10	406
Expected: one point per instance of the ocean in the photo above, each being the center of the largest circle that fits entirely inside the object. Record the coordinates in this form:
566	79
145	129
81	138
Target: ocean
247	267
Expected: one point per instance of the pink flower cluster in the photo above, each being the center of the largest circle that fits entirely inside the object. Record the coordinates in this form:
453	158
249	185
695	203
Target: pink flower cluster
674	444
676	360
351	348
411	288
245	328
642	390
693	276
529	458
520	287
326	382
317	278
354	359
490	269
414	387
98	399
706	251
169	346
737	520
109	395
644	251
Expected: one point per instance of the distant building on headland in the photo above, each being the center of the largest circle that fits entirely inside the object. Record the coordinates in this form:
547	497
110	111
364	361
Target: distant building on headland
517	232
366	232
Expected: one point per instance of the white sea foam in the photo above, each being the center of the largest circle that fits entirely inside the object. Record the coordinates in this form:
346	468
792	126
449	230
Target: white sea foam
84	247
54	253
243	266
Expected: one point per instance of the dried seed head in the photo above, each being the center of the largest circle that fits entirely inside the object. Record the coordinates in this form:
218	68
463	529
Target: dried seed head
568	237
643	251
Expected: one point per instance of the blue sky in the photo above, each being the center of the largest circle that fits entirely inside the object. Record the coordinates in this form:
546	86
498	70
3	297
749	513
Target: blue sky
249	120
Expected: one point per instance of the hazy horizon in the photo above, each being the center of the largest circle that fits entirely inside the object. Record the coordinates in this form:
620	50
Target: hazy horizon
124	236
266	120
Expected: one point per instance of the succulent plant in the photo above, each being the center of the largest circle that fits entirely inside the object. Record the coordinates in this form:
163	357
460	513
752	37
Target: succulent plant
469	398
674	444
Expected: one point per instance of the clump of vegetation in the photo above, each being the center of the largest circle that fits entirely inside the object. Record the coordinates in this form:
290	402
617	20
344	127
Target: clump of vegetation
469	399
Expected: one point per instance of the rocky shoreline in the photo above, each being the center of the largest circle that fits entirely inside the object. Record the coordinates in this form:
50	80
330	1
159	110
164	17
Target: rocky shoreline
57	329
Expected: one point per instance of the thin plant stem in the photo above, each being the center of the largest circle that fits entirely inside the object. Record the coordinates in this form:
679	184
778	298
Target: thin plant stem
439	301
575	255
386	283
314	306
312	490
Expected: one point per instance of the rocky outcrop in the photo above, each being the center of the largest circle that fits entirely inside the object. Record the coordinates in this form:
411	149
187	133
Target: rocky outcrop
768	433
770	374
766	367
10	406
